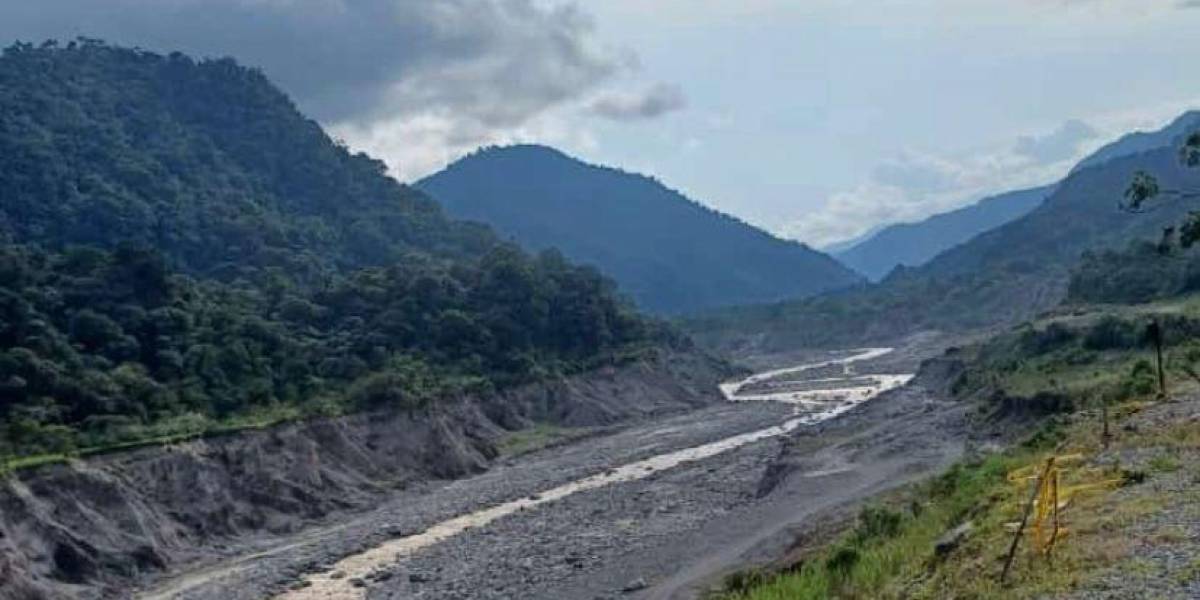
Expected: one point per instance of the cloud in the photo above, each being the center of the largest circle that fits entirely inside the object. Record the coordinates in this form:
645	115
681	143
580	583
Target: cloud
915	171
1061	144
450	73
655	101
1188	4
915	185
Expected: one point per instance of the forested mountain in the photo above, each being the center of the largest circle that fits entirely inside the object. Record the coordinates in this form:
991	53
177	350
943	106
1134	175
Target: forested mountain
183	250
1006	274
671	254
1082	214
841	246
912	244
1143	141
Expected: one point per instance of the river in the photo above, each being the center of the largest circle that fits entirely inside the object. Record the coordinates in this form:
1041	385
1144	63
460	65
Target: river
345	579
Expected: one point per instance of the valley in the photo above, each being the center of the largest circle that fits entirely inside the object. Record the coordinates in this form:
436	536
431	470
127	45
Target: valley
241	359
626	508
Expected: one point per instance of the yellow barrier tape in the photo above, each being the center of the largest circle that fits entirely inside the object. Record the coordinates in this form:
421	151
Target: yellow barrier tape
1051	497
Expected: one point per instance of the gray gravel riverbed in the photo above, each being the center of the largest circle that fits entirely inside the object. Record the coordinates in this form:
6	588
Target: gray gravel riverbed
258	572
666	536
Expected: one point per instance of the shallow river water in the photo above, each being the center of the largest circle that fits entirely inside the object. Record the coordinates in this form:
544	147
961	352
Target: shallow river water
343	580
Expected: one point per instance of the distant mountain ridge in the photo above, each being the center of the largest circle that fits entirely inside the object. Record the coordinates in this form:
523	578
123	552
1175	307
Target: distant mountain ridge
671	254
914	244
1142	141
1003	275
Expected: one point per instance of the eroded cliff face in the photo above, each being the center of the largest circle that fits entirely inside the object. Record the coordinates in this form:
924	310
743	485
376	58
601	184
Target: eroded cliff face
92	527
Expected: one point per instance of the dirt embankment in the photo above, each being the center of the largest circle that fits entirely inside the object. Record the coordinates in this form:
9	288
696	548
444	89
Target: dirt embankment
91	528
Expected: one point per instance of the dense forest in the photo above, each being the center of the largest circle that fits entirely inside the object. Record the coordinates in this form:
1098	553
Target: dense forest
671	254
184	252
1142	272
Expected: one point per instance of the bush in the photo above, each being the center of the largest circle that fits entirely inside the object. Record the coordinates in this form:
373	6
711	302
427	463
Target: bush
1049	338
876	523
1112	333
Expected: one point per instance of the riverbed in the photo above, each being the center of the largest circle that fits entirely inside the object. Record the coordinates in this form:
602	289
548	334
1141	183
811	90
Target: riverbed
614	515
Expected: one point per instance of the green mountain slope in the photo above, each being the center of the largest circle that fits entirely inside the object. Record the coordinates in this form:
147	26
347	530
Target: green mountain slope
1007	274
182	250
671	254
913	244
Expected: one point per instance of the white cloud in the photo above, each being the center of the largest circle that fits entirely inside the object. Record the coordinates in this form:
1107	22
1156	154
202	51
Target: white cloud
653	101
448	75
915	185
1060	144
416	145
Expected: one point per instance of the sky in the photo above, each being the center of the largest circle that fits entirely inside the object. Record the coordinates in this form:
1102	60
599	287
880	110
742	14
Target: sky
817	120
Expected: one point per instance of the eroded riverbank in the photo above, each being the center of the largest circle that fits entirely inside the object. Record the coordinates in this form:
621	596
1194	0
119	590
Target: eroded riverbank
624	513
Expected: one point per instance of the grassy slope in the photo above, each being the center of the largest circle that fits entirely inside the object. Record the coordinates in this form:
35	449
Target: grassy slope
1121	539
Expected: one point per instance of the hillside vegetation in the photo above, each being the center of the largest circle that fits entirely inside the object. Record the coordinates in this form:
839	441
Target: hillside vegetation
1129	522
999	277
183	252
671	254
913	244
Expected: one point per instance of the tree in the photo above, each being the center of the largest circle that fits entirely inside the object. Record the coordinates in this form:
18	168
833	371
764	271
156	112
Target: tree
1145	187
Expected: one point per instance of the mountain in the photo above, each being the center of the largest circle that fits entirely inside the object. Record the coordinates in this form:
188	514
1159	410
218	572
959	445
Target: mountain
838	247
1003	275
913	244
672	255
181	250
1143	141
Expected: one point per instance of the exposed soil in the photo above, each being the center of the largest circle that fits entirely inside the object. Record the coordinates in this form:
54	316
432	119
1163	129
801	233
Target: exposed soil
256	515
101	527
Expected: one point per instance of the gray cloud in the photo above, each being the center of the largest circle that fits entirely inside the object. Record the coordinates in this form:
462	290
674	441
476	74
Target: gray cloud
919	173
1060	144
491	63
1188	4
651	102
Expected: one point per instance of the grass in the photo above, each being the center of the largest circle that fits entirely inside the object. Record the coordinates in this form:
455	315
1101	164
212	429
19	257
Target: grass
1189	573
183	428
889	549
539	436
1164	463
900	562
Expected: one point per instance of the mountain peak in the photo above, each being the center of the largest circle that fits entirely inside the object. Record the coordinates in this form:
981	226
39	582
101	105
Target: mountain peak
522	150
669	252
1142	141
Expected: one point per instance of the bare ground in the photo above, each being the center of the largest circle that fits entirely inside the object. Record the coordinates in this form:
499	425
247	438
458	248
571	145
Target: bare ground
671	535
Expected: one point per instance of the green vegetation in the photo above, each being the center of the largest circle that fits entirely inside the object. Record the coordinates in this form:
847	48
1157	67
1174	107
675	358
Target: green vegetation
916	243
1143	272
671	254
1003	276
539	436
892	552
908	300
891	547
1068	362
1050	379
183	253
